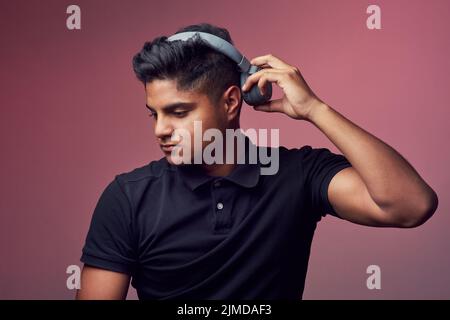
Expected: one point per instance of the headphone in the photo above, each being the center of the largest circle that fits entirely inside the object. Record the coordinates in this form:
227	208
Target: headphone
252	96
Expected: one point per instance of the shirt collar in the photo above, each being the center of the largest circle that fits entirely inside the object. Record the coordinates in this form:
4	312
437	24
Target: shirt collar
244	174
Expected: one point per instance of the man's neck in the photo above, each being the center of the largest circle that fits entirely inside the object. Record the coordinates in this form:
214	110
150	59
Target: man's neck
222	170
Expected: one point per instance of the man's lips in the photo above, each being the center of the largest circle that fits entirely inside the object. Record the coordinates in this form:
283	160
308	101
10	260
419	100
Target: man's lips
167	147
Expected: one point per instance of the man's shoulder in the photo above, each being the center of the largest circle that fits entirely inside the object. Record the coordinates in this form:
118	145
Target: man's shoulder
287	153
152	170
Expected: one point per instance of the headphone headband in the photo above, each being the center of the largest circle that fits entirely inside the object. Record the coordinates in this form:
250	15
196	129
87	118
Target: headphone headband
218	44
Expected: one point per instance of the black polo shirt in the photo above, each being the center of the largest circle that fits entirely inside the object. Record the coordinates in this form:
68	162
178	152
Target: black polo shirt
182	234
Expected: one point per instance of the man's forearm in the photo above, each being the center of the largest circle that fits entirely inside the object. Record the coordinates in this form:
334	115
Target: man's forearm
391	181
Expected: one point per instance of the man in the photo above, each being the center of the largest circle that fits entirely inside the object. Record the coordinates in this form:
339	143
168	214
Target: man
224	230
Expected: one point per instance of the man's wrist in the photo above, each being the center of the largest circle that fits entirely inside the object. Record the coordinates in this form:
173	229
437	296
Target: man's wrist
317	109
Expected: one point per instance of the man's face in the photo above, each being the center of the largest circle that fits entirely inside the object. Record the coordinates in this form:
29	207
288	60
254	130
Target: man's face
173	109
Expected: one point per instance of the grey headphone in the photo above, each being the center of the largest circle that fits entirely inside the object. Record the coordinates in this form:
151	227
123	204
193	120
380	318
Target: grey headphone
252	96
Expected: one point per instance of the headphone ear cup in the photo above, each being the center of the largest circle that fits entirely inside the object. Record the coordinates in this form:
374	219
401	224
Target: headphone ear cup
253	96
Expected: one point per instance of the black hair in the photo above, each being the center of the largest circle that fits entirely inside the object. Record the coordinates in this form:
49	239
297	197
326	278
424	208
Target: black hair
193	64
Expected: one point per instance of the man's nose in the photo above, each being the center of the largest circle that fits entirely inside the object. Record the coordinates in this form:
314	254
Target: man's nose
163	129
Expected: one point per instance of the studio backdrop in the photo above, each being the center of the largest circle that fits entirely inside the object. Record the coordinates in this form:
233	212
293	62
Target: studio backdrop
73	116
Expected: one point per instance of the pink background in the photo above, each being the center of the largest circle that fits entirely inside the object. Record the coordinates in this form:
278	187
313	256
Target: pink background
73	116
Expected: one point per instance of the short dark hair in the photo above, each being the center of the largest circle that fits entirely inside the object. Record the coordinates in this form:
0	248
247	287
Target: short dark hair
193	64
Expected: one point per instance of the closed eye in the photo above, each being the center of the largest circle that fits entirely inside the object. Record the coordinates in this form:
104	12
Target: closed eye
180	113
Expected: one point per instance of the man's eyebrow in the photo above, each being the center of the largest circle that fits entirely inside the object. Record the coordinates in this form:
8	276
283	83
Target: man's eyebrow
173	106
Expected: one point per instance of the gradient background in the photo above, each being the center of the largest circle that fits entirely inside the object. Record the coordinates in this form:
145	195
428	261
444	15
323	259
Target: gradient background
73	116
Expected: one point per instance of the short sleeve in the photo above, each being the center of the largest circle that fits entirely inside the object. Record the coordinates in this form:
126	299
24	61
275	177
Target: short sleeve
109	241
319	167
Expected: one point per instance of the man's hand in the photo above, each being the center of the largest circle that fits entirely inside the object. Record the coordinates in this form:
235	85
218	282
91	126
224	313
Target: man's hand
298	101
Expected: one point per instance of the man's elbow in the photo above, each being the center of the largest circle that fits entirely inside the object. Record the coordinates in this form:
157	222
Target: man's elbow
422	212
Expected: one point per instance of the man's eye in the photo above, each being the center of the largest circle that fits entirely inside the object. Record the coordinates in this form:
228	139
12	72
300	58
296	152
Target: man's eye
152	114
180	113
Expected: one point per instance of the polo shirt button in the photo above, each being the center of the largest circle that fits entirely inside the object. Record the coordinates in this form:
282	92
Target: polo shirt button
220	205
217	184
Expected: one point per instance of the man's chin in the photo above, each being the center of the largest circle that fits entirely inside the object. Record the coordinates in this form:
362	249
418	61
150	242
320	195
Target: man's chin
176	161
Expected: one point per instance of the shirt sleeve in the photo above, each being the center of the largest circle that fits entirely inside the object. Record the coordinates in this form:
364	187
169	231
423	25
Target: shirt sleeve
109	241
319	167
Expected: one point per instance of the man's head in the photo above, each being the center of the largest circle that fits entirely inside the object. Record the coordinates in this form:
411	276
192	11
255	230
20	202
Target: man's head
190	72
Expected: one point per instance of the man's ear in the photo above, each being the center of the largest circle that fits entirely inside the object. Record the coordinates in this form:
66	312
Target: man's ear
233	102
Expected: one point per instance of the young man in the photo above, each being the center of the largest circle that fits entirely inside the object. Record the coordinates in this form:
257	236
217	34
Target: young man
224	230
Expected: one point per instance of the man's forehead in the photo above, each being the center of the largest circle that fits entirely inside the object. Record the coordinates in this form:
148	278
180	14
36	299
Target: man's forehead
162	89
162	93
